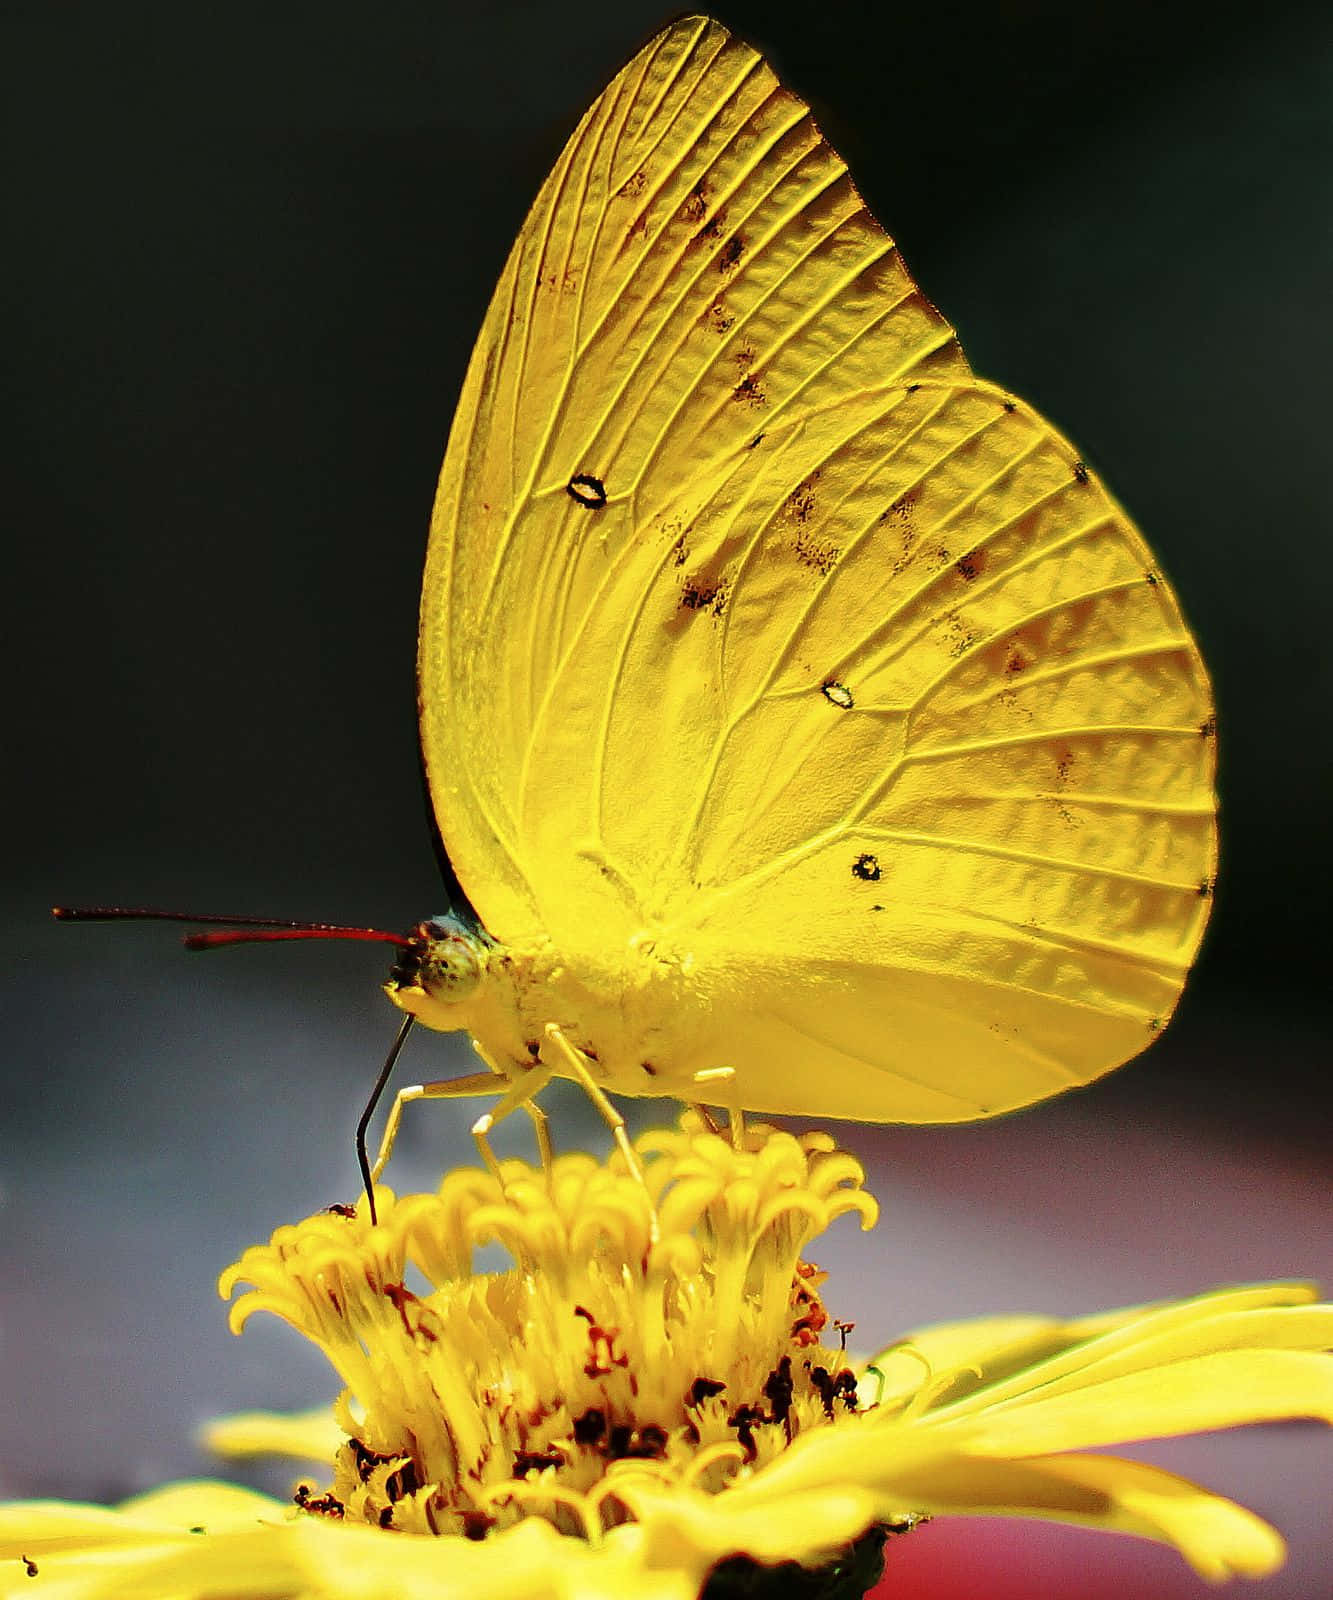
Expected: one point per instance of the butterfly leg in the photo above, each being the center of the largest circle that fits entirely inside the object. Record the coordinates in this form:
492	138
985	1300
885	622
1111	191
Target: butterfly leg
542	1127
705	1116
540	1121
519	1093
444	1089
735	1116
578	1070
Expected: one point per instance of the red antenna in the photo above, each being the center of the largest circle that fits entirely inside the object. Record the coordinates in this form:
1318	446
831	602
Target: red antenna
235	930
267	930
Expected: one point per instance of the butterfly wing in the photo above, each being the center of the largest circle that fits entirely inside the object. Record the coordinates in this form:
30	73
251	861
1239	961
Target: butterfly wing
756	629
953	815
697	266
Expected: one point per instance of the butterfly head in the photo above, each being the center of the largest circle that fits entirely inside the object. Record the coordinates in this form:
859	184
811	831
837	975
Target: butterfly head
439	970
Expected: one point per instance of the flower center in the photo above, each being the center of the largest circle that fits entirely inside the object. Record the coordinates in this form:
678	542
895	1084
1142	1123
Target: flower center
694	1352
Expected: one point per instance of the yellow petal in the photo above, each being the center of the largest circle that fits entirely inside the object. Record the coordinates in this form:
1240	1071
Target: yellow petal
87	1550
1158	1332
1238	1297
1225	1390
901	1472
175	1509
997	1345
1271	1328
145	1550
528	1562
704	1529
1217	1537
311	1435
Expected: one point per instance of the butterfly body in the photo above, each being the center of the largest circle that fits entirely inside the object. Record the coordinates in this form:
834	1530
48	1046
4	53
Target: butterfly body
795	704
627	1012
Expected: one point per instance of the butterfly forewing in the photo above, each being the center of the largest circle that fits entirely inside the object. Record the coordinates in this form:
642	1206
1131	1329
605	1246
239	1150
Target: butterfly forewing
755	625
697	267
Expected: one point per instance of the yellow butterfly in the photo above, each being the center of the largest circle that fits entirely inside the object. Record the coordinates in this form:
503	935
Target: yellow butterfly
800	714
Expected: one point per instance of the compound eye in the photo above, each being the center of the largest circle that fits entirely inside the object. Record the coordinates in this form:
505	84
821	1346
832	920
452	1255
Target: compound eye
451	969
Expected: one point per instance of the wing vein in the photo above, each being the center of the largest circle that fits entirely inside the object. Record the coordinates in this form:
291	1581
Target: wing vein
912	596
1173	645
542	622
947	752
1033	858
708	778
557	184
647	347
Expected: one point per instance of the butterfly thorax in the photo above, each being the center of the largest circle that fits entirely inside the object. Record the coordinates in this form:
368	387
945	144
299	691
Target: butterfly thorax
452	975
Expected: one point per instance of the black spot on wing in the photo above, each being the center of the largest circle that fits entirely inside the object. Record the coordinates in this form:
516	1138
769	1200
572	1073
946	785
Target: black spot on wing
704	594
866	867
900	519
1081	473
695	208
816	554
587	490
800	503
961	637
718	318
748	392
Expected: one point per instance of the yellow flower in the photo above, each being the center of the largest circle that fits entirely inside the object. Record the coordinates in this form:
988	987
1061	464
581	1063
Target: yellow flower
654	1388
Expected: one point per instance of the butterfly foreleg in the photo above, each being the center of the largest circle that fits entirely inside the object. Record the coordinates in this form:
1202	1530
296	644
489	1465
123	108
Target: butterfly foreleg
577	1067
444	1089
725	1077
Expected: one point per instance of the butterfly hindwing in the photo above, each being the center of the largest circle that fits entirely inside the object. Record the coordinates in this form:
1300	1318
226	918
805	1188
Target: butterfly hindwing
919	773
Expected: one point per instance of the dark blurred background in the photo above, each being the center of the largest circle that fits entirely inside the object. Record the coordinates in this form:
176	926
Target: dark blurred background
250	250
